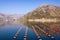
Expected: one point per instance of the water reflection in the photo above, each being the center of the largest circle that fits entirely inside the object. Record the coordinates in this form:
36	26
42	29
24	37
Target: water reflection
13	30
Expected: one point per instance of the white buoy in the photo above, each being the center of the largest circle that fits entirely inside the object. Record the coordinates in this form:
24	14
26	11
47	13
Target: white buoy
14	37
40	39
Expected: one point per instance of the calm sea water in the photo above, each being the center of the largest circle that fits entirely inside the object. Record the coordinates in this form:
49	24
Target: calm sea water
7	32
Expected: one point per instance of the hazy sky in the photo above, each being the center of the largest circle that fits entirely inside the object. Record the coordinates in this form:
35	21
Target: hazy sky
23	6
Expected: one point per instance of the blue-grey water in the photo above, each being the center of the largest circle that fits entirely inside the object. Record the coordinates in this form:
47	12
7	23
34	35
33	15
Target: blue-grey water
7	32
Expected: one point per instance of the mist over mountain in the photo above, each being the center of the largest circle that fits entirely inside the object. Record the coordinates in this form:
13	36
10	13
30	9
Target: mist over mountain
9	19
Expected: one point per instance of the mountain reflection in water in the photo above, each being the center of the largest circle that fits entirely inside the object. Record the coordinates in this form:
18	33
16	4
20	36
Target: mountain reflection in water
8	31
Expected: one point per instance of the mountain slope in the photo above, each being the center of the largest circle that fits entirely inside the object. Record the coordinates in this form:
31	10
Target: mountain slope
47	15
46	11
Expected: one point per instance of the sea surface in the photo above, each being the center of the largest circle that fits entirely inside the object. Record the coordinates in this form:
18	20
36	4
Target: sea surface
8	31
